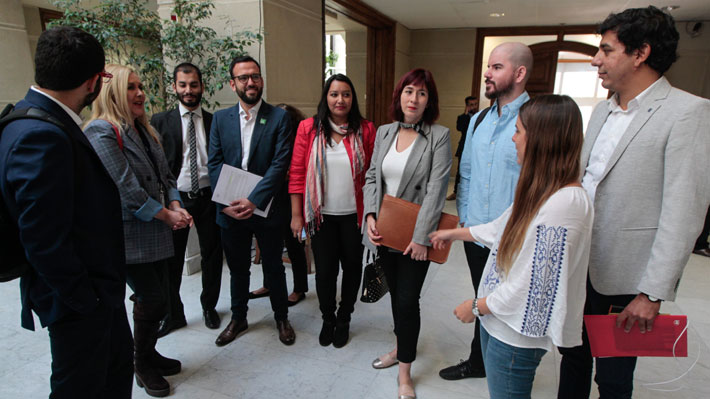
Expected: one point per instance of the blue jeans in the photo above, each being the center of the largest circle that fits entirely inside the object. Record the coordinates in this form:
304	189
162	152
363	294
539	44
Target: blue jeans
510	370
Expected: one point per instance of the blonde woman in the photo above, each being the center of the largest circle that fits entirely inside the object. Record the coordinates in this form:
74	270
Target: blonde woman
532	291
130	150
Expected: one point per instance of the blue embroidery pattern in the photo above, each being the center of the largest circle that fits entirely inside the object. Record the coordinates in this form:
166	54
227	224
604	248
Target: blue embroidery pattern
544	281
492	279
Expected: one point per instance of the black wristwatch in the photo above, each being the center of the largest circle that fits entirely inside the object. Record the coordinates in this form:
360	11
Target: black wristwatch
653	298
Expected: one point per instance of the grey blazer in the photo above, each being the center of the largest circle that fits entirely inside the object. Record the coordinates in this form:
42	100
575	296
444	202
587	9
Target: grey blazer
146	238
425	178
650	204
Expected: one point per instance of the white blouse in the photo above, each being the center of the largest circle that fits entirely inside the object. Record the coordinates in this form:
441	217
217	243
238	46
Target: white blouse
339	188
393	166
539	304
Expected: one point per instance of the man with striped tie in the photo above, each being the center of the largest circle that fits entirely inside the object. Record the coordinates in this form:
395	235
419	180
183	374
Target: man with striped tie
185	134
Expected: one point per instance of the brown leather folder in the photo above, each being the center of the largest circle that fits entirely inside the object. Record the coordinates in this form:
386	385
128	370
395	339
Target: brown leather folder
396	226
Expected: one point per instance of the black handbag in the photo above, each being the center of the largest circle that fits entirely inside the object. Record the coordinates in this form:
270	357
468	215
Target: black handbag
374	284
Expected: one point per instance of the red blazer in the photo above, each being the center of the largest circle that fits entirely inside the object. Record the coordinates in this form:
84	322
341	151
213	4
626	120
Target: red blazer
302	152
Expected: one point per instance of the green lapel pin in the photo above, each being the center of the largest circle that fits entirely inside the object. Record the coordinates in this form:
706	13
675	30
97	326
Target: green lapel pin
262	121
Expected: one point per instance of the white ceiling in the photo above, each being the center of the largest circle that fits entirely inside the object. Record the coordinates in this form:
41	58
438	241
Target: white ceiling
431	14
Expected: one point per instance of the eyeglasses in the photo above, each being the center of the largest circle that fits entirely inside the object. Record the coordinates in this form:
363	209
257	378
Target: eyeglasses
105	76
255	77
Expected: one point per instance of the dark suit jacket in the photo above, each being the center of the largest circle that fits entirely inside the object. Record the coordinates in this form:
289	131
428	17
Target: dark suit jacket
68	212
169	126
462	126
270	156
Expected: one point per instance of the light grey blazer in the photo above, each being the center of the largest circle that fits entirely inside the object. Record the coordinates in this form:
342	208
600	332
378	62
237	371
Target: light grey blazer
651	201
146	239
424	181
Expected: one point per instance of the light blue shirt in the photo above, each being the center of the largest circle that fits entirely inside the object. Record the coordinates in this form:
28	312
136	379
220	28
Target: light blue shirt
489	169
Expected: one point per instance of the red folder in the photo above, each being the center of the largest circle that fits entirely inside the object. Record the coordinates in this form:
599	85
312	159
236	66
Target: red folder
396	222
606	340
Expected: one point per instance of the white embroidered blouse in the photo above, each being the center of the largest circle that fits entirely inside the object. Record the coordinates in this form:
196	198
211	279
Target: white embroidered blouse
539	304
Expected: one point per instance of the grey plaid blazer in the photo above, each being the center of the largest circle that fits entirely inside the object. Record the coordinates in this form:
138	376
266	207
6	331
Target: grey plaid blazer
146	238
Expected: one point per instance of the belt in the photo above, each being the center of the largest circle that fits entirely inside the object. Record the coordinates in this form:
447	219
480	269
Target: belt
200	193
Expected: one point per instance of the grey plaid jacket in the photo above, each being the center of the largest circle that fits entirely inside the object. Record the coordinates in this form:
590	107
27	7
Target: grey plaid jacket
146	239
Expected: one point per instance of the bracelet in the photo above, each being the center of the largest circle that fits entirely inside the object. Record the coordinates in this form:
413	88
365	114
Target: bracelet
474	308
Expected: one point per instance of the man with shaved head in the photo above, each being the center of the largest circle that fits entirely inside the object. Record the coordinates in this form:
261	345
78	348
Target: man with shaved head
489	169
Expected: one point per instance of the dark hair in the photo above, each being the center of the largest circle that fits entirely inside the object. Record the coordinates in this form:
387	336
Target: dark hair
294	114
323	112
238	60
636	26
187	67
66	57
417	76
469	98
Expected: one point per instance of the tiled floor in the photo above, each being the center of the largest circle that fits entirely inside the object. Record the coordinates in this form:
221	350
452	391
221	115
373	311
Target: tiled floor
257	365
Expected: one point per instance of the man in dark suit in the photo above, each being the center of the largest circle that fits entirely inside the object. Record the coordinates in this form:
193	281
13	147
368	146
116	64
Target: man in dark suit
185	136
68	213
462	126
253	136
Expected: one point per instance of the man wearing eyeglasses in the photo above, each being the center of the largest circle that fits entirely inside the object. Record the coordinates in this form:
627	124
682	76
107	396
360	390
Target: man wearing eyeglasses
253	136
68	213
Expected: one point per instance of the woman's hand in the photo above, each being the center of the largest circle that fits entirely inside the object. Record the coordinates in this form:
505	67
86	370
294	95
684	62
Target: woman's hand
440	238
464	312
372	234
297	226
175	219
416	251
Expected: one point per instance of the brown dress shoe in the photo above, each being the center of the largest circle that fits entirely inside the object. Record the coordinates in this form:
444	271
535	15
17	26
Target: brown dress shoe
230	333
286	333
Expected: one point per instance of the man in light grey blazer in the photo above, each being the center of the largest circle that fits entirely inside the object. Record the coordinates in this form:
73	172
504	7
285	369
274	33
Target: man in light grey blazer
645	163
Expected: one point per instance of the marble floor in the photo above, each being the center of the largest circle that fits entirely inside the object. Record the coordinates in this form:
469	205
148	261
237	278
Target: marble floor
257	365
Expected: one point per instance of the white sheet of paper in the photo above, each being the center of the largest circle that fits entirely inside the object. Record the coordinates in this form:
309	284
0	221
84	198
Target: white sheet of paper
234	183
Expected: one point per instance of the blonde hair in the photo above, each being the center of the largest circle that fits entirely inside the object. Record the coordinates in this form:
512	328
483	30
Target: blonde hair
553	126
112	103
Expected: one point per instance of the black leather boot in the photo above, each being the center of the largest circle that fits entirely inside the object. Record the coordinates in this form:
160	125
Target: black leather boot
146	318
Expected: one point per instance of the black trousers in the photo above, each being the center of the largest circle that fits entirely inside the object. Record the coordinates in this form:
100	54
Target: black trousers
297	255
148	282
476	257
702	241
338	243
236	241
92	355
405	278
458	175
615	375
203	213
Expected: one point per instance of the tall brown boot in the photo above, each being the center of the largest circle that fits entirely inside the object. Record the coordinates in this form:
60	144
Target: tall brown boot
145	328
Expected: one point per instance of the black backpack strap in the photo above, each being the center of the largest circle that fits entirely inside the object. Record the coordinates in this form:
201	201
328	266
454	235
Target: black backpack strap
479	119
10	114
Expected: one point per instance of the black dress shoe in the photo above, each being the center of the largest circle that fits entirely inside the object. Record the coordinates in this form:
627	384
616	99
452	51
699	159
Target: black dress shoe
342	333
286	334
230	333
461	371
301	297
699	251
254	294
212	319
326	333
166	327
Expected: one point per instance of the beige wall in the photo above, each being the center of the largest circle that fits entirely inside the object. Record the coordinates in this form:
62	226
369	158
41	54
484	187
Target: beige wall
402	57
356	64
448	54
16	68
692	70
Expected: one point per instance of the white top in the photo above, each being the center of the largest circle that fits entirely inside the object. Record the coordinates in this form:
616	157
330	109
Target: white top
539	304
76	118
183	179
246	124
393	166
339	188
614	128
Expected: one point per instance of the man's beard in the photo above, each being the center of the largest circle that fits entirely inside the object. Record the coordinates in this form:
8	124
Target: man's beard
196	102
499	91
92	96
250	100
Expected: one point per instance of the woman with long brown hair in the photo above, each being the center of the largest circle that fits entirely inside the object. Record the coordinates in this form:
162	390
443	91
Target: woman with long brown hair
532	291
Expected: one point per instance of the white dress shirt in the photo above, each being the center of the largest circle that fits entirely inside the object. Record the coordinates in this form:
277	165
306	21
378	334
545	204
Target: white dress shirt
247	121
183	180
76	118
609	136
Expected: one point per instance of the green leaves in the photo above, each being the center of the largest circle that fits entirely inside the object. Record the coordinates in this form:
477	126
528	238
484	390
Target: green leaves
133	35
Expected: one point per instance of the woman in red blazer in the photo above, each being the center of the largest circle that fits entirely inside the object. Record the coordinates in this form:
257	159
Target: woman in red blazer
331	154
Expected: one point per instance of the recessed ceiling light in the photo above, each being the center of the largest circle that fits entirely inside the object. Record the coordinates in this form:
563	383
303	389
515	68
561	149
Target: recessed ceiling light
670	8
496	14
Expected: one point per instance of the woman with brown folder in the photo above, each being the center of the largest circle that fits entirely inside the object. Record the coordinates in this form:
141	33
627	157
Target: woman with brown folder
330	157
411	161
